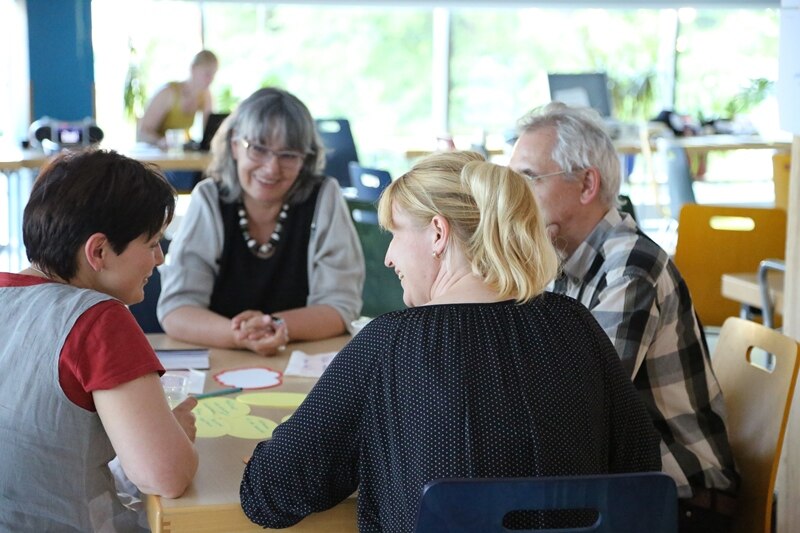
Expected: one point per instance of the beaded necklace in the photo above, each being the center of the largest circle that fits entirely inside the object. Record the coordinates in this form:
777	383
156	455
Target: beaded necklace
265	250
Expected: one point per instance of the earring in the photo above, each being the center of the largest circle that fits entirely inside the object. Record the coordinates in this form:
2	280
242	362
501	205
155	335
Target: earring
435	255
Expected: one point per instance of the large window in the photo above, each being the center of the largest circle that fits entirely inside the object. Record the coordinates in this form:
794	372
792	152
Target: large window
374	65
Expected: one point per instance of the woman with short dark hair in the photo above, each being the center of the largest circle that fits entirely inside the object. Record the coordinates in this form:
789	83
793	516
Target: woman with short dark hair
79	382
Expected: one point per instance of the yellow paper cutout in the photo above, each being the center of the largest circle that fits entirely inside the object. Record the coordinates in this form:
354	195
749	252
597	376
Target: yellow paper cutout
220	408
211	427
287	417
251	427
273	399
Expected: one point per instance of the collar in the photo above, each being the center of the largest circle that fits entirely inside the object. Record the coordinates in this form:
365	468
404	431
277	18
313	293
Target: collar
578	264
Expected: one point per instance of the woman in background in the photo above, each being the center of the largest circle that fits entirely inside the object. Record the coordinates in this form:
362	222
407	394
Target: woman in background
177	103
267	250
79	382
486	375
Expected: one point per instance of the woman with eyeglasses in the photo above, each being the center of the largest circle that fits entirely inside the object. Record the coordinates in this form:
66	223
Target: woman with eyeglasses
267	251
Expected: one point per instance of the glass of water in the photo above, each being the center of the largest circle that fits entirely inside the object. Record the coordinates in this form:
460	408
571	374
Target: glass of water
176	388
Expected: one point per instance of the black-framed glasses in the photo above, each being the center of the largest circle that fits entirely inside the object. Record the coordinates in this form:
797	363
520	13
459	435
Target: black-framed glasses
258	153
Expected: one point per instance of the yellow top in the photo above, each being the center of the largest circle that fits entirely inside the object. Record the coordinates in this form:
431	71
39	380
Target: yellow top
176	118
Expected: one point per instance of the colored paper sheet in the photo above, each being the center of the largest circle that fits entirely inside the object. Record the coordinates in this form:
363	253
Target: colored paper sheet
273	399
251	427
220	408
211	427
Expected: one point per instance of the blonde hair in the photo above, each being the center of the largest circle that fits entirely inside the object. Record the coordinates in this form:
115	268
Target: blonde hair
204	58
493	217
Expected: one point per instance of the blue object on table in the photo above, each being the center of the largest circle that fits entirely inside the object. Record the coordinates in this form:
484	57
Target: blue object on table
645	501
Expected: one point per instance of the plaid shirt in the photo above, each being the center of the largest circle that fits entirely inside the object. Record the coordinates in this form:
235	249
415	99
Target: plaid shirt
638	296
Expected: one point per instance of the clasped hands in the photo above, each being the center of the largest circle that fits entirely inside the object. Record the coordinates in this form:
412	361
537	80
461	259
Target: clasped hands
259	332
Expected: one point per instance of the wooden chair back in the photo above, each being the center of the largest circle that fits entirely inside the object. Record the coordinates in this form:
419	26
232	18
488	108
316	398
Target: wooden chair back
757	401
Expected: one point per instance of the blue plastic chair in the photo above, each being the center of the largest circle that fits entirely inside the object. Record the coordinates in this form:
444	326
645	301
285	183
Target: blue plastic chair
369	182
340	147
644	501
145	311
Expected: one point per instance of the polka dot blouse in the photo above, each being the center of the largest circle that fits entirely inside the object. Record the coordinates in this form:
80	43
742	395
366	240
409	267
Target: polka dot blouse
444	391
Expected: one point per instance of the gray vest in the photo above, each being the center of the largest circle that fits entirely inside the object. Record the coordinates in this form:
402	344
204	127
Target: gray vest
54	454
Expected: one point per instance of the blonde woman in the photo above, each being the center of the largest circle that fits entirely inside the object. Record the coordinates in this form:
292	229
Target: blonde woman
177	103
486	375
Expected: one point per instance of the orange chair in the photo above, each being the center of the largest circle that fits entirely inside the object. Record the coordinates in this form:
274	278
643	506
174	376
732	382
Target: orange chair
714	240
758	394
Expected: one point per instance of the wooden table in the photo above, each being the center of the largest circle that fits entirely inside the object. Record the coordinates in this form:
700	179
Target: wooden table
211	503
744	289
708	143
697	144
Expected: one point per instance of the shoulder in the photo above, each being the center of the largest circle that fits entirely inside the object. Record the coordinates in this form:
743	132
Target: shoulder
208	190
629	252
329	189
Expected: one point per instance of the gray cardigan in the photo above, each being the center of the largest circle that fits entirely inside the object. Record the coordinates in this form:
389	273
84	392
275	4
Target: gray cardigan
335	260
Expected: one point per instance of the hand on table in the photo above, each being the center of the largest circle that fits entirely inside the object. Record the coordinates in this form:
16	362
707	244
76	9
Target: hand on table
185	417
260	333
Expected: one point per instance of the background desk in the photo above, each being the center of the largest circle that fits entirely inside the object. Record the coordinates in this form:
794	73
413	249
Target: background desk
696	144
744	289
211	503
21	167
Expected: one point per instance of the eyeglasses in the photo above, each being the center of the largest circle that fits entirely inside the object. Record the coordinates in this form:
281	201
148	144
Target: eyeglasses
261	154
538	177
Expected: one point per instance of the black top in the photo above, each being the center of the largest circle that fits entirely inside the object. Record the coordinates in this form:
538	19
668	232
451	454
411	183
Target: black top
273	284
468	390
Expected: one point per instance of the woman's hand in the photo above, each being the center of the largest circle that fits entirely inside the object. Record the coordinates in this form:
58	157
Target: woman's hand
260	333
185	417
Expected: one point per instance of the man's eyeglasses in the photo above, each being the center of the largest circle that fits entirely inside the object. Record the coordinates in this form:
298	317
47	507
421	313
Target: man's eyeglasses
261	154
534	178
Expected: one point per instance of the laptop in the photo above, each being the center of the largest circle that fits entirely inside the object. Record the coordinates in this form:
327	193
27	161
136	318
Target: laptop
212	125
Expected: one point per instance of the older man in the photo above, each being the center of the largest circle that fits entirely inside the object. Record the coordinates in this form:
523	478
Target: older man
638	296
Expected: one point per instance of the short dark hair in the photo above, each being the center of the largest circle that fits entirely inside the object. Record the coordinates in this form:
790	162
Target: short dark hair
92	191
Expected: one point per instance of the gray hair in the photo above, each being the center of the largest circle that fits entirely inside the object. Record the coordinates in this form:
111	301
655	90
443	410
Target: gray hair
581	142
269	115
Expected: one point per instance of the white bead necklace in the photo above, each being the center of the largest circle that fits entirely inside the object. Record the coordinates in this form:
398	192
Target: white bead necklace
265	250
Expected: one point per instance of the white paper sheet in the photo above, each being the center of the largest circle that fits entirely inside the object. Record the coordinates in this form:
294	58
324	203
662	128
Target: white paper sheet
250	378
308	366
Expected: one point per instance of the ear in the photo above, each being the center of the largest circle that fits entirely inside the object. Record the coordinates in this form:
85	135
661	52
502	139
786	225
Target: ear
96	250
441	233
590	185
233	142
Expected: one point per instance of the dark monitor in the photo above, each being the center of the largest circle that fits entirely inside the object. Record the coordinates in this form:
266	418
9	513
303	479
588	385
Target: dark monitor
582	90
212	125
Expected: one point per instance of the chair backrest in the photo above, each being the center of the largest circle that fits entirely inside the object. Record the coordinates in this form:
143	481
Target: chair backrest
369	182
644	501
679	175
714	240
757	403
340	147
382	290
145	311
